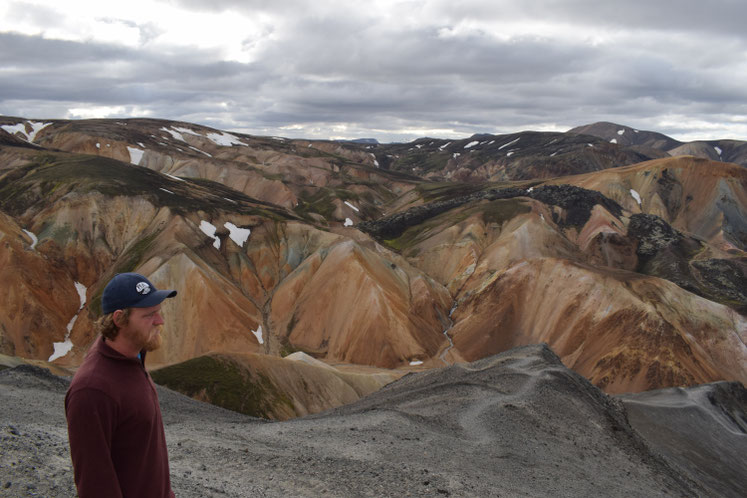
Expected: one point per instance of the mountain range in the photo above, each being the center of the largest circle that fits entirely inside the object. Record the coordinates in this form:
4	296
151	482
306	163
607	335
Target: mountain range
531	314
367	261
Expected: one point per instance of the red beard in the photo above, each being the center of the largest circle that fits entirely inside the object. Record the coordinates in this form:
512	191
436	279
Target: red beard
150	341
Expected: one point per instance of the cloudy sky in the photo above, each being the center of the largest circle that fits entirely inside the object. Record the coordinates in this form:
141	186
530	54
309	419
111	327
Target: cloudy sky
393	70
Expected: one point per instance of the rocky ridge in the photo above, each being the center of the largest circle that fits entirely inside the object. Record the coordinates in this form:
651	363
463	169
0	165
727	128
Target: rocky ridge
518	424
658	145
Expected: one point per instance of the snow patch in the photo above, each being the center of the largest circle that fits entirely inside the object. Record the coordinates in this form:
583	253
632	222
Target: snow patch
200	151
258	334
718	150
230	200
620	132
454	155
64	347
16	128
34	239
227	140
98	145
174	177
415	363
186	130
238	235
471	144
36	127
348	222
510	143
135	155
166	190
529	190
175	134
636	196
356	209
444	146
510	154
209	230
82	290
613	141
553	154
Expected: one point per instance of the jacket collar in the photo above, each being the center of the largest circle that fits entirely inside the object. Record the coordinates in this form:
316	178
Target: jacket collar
102	348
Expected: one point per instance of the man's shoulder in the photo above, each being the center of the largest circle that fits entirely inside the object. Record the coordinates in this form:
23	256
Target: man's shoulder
89	389
88	377
94	373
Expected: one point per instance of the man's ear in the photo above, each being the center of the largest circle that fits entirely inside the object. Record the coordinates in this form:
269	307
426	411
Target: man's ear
117	317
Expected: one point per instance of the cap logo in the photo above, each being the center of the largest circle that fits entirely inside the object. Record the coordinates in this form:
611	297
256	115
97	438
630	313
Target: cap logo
142	288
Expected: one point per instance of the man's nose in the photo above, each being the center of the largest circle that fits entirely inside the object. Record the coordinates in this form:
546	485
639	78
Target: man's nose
159	319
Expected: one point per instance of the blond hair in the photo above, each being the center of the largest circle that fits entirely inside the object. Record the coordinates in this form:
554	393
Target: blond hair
106	326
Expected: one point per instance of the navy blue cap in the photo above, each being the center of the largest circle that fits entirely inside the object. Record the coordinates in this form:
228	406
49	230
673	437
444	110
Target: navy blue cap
131	290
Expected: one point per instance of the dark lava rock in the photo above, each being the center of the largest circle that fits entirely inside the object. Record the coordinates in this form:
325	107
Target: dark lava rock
31	376
653	234
726	279
665	252
578	203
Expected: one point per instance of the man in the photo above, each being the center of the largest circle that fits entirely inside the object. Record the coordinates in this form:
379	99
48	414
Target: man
114	423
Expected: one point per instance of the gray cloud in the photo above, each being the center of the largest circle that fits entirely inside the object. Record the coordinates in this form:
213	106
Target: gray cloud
340	70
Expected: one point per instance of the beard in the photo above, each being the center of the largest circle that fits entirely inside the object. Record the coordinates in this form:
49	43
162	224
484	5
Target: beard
152	341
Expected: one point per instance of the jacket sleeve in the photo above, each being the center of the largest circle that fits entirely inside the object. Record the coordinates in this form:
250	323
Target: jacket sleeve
91	419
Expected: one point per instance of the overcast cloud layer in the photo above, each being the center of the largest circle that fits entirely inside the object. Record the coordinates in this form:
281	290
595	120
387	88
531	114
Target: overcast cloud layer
393	70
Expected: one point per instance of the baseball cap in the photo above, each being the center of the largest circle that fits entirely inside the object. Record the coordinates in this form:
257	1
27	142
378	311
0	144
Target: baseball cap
131	290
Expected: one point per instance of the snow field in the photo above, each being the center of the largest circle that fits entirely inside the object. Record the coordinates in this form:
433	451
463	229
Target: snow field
238	235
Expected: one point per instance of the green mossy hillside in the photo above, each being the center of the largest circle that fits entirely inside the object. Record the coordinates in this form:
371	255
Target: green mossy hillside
223	382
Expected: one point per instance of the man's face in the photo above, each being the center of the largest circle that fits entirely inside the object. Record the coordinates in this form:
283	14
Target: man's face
144	327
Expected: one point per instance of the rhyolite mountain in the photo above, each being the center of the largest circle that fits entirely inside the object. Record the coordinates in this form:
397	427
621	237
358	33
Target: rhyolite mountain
376	259
653	143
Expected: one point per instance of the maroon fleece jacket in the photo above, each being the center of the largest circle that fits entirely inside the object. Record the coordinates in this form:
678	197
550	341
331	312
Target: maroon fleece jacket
114	424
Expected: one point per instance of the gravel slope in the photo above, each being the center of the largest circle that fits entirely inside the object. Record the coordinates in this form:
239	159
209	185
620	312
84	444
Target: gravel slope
515	424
